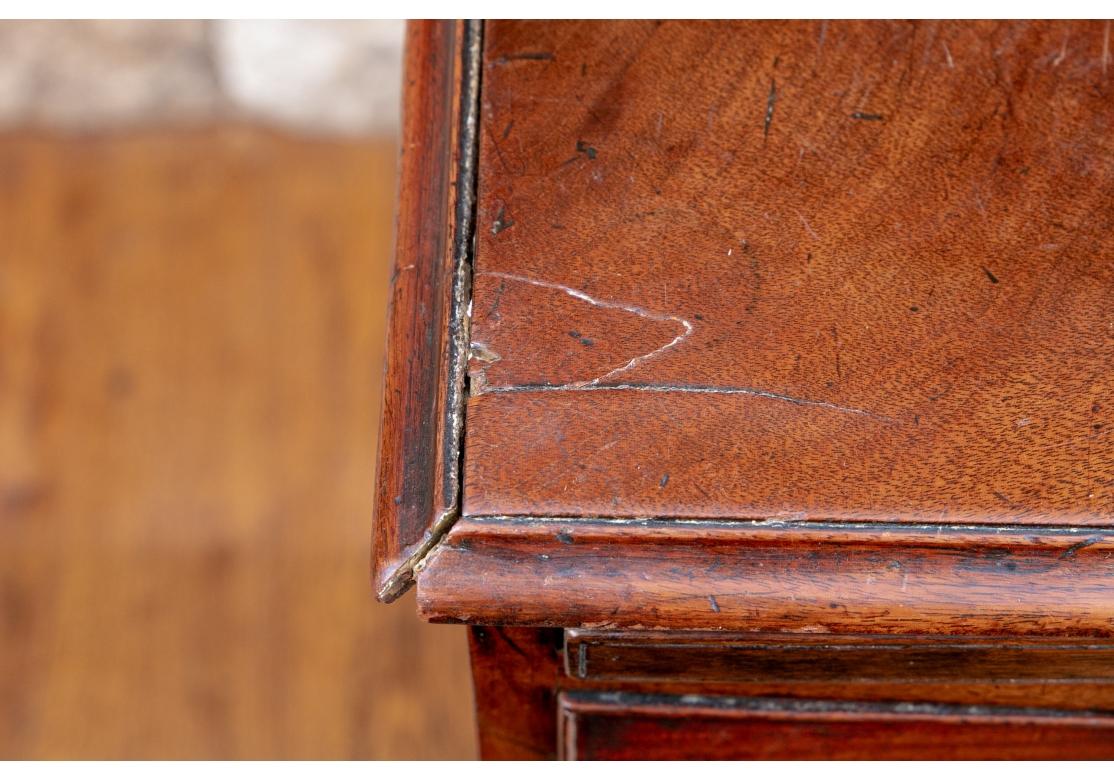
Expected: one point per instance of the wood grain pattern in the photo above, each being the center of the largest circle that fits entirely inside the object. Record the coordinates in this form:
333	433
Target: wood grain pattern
521	693
782	331
687	656
823	271
797	577
627	726
418	469
516	674
192	329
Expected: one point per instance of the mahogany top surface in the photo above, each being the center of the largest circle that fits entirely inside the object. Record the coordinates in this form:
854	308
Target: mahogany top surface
817	271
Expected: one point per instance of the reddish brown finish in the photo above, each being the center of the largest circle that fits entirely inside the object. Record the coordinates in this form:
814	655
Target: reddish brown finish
821	271
796	577
830	302
710	657
518	677
516	673
626	726
417	485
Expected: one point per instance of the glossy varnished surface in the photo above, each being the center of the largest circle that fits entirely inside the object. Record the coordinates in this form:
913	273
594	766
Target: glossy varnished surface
638	727
192	331
840	292
517	674
721	657
417	481
797	577
822	271
523	688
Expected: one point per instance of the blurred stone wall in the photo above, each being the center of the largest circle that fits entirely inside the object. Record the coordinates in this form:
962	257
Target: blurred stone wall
326	77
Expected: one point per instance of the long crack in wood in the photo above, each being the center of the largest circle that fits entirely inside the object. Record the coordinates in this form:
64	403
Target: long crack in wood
600	383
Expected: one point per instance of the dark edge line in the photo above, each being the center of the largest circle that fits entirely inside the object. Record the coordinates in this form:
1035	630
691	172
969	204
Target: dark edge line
1080	545
459	325
807	706
737	524
616	677
510	642
991	644
464	252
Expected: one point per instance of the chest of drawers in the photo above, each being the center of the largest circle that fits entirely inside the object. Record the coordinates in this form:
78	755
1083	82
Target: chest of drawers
750	385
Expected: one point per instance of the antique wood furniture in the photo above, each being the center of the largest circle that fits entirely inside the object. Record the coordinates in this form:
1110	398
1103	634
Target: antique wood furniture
751	385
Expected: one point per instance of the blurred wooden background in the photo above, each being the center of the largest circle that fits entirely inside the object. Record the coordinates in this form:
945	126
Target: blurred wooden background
191	327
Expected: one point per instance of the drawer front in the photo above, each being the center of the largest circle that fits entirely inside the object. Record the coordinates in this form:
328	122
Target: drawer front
597	726
706	657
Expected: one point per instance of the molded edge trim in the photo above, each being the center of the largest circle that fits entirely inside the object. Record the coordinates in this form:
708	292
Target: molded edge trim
803	577
418	470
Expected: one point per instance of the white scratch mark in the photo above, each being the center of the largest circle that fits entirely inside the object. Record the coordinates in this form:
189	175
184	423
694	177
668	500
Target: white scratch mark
808	227
1063	52
805	146
483	353
948	54
638	310
598	384
1106	47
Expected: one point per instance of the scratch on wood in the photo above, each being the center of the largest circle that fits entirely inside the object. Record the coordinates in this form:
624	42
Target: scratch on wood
1106	47
808	227
948	54
501	222
1071	551
535	56
771	99
697	389
638	310
1063	52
